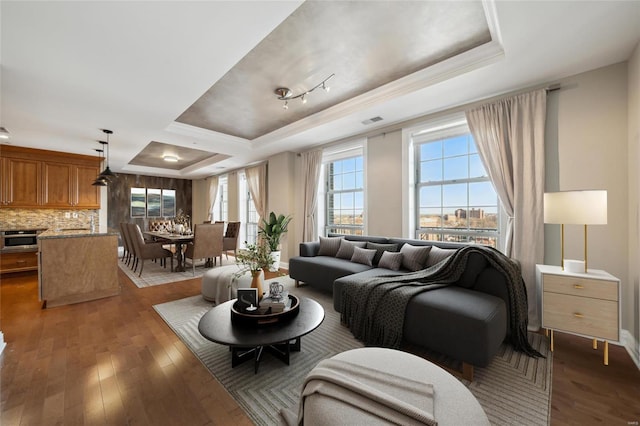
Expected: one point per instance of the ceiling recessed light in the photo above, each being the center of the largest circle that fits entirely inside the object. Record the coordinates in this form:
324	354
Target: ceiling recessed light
170	158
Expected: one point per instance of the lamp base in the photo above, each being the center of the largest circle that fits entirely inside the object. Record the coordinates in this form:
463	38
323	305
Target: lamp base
574	266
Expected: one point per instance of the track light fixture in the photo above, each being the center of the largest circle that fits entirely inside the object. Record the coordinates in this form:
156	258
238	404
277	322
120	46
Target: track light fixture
285	94
4	133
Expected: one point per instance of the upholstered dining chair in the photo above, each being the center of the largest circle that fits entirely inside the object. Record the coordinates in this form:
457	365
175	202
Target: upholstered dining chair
127	253
230	240
144	251
207	243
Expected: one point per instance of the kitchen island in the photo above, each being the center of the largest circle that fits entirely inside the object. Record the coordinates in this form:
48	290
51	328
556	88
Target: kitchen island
77	265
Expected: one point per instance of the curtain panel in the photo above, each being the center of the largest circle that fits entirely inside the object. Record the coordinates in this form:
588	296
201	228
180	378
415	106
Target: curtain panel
509	134
312	164
257	183
212	196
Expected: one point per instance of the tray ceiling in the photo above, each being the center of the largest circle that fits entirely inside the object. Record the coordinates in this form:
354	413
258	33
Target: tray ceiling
365	44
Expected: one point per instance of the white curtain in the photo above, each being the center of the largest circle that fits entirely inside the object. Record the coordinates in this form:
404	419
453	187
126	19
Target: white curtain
257	183
311	165
213	194
509	134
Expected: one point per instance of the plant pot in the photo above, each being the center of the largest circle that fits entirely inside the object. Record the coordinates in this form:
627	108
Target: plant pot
256	282
275	255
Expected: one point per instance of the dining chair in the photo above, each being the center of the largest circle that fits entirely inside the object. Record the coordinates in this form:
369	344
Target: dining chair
230	240
144	251
207	243
131	255
125	243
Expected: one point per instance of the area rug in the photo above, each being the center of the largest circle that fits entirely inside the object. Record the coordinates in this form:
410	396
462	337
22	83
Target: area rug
513	389
154	274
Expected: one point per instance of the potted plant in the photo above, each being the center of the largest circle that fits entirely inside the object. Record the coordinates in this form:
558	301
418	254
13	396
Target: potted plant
255	258
271	232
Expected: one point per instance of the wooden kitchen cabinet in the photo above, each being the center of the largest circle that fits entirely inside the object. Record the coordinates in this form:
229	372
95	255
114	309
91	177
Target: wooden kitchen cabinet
586	304
20	182
48	179
18	262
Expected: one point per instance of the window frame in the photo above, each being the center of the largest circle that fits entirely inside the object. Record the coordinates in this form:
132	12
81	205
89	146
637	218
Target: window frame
440	131
344	151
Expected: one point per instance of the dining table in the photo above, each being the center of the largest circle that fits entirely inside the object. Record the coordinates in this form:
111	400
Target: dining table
173	238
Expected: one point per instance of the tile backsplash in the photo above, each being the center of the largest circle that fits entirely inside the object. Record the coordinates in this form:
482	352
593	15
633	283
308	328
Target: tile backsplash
47	218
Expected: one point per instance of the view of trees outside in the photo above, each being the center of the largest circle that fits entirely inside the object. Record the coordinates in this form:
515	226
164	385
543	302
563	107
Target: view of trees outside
345	196
456	200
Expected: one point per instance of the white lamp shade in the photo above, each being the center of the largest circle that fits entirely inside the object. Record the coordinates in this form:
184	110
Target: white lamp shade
576	207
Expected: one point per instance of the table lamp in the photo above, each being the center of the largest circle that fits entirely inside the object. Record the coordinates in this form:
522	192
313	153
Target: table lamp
587	207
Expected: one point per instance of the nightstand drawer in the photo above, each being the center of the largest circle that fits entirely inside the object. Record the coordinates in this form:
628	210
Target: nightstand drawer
582	315
578	286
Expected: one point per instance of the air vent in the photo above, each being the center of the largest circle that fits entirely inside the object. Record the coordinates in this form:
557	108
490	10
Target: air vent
372	120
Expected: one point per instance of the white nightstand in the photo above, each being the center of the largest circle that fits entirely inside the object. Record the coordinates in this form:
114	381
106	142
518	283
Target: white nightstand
583	304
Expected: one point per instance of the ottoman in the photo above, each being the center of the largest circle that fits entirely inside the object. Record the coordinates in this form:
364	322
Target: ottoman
220	284
453	403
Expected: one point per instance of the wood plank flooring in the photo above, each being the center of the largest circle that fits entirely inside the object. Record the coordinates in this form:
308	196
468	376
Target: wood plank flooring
114	361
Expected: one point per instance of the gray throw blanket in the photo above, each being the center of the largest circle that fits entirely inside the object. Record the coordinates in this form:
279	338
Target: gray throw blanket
374	308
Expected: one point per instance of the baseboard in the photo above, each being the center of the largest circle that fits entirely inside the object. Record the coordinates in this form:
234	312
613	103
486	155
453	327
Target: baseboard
284	265
2	342
630	344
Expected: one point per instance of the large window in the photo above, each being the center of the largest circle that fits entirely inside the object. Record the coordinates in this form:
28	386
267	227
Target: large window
223	202
344	196
455	200
248	213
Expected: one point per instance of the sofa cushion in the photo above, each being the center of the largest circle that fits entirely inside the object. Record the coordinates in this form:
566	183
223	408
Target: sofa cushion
363	255
346	248
437	255
413	257
322	271
390	260
329	246
437	319
381	248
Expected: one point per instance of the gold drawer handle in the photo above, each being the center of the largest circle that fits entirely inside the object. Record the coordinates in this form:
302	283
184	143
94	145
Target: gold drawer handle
578	286
578	315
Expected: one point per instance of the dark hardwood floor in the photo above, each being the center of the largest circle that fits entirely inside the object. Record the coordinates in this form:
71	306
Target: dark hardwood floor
114	361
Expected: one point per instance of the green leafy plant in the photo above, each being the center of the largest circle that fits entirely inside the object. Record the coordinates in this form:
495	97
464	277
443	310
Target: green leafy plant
254	257
273	229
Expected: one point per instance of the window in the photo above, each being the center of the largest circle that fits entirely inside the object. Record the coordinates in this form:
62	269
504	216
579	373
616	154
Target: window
455	200
223	202
248	213
344	191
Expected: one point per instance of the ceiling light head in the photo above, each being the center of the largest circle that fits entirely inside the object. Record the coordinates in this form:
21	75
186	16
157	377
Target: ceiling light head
4	133
304	99
284	93
286	105
170	158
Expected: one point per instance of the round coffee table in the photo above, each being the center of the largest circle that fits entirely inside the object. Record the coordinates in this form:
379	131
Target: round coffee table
248	342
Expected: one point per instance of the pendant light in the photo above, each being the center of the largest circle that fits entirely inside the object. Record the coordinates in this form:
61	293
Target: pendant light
100	180
107	173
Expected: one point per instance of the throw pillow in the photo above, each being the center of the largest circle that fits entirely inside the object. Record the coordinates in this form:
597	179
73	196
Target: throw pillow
363	255
381	248
438	254
390	260
329	246
414	258
346	248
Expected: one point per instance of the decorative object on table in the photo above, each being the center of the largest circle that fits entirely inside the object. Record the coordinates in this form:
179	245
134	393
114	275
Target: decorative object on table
254	258
587	207
272	232
271	313
182	219
246	297
275	290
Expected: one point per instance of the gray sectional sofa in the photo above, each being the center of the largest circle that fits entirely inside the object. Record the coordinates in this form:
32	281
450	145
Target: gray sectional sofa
467	321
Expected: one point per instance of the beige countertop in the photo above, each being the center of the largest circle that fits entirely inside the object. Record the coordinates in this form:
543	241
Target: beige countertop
75	233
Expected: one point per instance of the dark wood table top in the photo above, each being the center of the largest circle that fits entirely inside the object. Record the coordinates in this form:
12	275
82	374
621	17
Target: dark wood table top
216	326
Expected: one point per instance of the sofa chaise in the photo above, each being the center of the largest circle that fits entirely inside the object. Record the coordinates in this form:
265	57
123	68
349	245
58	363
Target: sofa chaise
467	321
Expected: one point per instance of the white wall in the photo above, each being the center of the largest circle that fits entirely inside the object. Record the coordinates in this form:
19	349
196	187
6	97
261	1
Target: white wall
384	184
631	294
281	190
592	154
